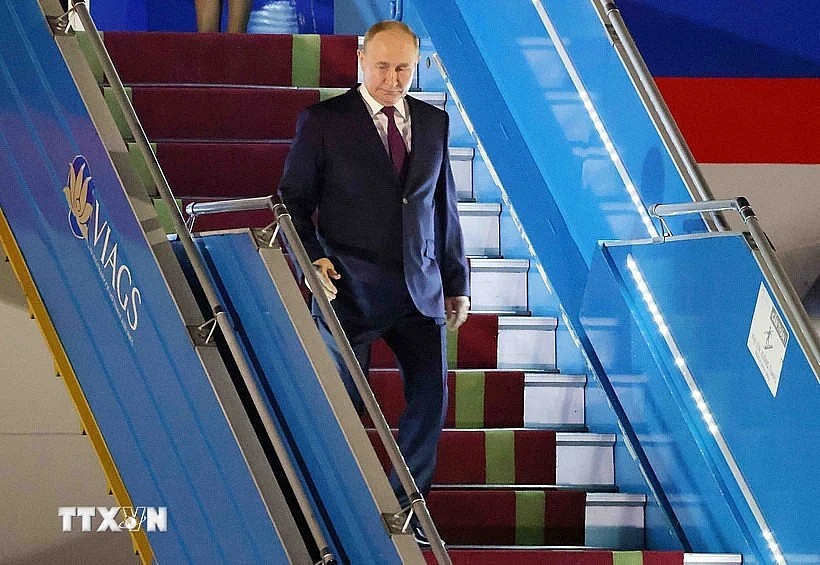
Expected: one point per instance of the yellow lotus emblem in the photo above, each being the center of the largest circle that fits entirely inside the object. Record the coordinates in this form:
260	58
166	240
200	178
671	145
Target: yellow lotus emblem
76	193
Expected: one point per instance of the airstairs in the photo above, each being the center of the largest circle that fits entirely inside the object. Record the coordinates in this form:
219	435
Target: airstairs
532	464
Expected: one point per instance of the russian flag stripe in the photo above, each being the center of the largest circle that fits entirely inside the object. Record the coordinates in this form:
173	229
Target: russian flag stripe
747	120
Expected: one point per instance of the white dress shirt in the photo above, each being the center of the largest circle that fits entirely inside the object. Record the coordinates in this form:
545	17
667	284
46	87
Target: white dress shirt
402	117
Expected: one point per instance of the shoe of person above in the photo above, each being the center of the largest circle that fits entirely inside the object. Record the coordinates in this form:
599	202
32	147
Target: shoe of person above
421	537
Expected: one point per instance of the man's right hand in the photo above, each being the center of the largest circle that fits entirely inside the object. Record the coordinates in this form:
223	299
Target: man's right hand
326	271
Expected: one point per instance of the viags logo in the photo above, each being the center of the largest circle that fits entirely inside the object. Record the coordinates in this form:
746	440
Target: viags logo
87	222
114	519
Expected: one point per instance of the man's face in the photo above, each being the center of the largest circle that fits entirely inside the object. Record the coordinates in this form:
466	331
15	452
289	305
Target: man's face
388	66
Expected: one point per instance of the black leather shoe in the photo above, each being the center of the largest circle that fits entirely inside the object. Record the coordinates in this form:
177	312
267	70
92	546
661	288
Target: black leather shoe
421	539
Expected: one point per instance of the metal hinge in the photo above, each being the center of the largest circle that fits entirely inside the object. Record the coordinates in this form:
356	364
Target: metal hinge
202	335
61	25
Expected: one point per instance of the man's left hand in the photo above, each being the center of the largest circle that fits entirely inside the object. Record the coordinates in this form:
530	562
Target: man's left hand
456	308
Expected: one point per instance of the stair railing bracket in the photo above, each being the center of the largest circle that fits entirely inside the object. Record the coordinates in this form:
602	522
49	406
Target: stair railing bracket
397	524
770	264
266	237
60	25
202	334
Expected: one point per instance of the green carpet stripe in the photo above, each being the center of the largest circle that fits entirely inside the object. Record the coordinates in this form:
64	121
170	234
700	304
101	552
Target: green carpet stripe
164	215
325	93
499	446
452	349
116	111
469	399
88	51
530	509
305	62
627	558
141	166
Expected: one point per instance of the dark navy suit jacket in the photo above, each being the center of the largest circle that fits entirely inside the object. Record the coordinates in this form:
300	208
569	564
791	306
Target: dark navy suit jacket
368	220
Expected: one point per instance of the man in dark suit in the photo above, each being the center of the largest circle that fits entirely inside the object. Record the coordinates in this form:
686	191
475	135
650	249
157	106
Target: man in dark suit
373	164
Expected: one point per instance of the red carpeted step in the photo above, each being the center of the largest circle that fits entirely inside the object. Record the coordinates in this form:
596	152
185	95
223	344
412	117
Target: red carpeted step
338	61
473	346
488	516
478	457
220	113
214	58
557	557
477	399
210	58
222	170
658	557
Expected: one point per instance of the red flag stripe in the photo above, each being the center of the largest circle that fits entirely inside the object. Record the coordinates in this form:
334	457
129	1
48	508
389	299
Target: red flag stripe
747	120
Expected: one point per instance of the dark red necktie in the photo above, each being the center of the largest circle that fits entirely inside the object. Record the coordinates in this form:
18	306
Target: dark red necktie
395	141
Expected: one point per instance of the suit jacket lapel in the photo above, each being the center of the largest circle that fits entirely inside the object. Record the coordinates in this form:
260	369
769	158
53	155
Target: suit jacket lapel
364	121
419	141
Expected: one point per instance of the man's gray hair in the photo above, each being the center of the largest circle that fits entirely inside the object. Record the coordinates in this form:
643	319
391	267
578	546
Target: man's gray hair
389	25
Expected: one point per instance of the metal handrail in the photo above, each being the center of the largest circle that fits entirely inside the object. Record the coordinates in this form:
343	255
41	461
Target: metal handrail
696	184
284	222
396	9
220	317
660	115
772	268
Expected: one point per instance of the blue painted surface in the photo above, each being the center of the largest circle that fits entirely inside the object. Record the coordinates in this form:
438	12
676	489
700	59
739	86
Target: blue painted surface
653	414
535	112
140	374
772	438
726	38
315	16
329	468
553	170
133	15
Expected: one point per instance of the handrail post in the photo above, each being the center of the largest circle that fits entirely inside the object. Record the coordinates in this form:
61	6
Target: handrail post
396	9
198	266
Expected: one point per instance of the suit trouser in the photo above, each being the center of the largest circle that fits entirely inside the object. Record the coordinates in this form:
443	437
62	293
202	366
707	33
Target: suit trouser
419	344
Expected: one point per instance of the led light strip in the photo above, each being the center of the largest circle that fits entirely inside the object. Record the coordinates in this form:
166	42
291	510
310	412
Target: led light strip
497	180
614	156
703	407
506	200
628	442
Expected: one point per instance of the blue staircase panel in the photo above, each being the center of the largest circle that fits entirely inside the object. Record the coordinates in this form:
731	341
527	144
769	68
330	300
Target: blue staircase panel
511	78
306	418
771	432
534	200
112	309
615	100
653	414
557	114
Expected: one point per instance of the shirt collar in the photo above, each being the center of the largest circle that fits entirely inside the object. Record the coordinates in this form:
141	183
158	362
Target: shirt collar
375	107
